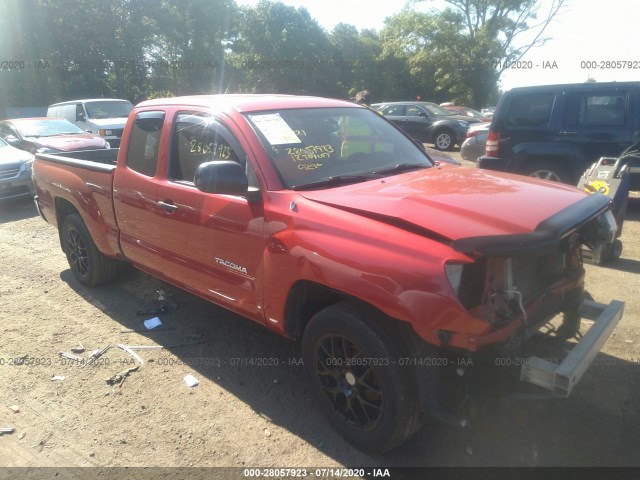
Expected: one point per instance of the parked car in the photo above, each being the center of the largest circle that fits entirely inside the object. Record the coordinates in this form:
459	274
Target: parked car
15	172
557	131
101	116
475	144
427	122
320	220
488	111
469	112
48	135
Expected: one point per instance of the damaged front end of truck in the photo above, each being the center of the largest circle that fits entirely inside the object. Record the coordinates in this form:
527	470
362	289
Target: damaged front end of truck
518	283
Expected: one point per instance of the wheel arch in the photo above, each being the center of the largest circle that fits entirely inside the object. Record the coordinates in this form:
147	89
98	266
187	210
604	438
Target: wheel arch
564	169
568	156
63	209
103	235
304	300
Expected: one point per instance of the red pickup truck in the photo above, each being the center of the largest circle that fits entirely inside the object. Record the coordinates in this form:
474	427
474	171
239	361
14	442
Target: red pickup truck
322	221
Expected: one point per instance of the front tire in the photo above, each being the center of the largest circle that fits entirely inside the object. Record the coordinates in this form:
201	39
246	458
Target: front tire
353	365
88	264
443	140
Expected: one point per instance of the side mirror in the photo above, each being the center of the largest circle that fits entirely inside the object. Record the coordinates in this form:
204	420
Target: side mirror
423	114
12	140
223	177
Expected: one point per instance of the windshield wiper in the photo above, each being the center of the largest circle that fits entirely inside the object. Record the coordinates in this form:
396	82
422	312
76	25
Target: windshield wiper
337	180
401	167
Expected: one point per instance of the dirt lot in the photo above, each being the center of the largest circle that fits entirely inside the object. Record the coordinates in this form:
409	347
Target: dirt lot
243	415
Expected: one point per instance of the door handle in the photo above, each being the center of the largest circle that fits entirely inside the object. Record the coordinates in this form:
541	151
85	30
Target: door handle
637	134
168	207
568	133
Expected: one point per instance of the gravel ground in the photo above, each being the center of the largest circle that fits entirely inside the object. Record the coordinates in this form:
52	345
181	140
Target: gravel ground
258	416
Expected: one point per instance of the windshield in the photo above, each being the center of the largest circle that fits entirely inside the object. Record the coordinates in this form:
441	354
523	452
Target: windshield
321	147
437	111
106	109
46	127
3	144
469	112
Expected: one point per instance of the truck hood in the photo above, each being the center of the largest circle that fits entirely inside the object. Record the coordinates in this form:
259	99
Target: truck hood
471	209
68	143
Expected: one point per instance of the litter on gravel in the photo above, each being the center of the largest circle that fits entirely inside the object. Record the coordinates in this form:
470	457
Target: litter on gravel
191	381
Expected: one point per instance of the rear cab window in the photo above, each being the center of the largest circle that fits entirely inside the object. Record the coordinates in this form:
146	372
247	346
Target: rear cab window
144	142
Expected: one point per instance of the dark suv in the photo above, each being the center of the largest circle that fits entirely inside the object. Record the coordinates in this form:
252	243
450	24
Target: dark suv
557	131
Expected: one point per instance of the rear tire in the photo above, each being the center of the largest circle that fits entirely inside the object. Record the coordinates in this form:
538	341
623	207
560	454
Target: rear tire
546	170
88	264
353	366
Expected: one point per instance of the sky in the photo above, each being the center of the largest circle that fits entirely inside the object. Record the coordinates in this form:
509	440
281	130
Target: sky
588	33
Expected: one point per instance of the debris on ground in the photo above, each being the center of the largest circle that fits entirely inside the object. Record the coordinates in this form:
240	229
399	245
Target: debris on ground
96	354
146	330
119	378
166	300
163	304
152	323
58	378
20	359
78	348
190	380
14	408
132	353
145	347
71	356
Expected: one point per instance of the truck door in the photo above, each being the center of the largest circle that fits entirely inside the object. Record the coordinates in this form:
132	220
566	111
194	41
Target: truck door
211	245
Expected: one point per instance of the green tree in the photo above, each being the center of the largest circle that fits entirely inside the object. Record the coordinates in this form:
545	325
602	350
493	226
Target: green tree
354	61
186	52
74	48
460	52
279	49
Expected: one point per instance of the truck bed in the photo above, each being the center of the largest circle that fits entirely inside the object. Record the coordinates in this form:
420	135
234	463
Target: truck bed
102	160
81	181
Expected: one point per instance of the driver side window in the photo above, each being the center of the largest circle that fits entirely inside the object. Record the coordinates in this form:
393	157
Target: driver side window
199	138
